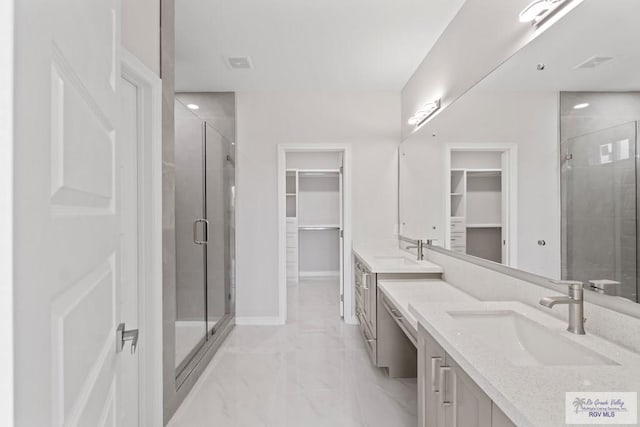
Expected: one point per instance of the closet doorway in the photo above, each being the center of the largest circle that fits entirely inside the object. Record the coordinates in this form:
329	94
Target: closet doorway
480	201
314	231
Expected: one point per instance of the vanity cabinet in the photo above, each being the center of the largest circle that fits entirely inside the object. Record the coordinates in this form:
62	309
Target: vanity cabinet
447	396
383	342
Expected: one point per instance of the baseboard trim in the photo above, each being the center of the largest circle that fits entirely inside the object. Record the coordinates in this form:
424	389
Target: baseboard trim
259	321
319	274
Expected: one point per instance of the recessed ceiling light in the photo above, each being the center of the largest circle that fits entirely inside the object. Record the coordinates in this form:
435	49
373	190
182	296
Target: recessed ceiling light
581	106
193	106
239	62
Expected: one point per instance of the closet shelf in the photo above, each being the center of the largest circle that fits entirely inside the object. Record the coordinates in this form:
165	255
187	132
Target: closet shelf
476	173
292	194
456	194
318	173
484	225
319	227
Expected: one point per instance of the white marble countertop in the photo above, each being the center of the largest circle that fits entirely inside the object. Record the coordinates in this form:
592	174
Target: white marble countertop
404	292
531	396
393	260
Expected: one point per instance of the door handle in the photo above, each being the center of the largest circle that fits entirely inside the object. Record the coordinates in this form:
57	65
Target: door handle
442	385
365	281
122	336
195	231
434	362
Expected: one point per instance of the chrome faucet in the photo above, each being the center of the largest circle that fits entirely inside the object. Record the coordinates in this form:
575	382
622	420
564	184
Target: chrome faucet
419	247
575	302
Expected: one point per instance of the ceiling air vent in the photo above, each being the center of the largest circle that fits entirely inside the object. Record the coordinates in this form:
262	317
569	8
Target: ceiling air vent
239	62
593	62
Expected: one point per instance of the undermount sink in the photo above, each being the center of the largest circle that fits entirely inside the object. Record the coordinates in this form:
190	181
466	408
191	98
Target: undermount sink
396	260
525	342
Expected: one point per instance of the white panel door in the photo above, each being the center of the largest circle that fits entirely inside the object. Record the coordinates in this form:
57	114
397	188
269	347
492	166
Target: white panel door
69	227
129	144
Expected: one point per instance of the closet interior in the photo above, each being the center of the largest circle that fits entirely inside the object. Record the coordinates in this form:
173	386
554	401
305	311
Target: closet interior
314	215
476	215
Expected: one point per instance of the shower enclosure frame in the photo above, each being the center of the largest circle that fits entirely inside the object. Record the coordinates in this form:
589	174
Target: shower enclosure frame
179	380
185	367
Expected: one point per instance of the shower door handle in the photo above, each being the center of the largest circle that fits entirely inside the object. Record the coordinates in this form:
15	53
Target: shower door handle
195	231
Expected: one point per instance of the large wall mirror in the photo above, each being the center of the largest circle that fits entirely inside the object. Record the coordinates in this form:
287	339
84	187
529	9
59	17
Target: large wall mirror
536	167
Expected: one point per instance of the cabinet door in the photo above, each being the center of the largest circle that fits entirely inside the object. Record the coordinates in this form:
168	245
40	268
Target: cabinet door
471	407
372	313
431	357
369	297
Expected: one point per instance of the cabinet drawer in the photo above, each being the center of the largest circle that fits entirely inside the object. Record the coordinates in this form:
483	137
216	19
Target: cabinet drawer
459	241
369	340
458	227
292	227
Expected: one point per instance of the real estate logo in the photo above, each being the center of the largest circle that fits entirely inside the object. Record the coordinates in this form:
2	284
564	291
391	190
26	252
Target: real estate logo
601	407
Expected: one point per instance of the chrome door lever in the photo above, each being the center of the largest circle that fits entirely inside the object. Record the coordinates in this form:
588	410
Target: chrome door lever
122	336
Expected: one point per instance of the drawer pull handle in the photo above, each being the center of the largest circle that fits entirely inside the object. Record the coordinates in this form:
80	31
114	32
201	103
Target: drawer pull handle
442	385
434	362
396	314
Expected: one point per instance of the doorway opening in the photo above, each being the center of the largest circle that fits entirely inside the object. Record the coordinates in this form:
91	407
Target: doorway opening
314	225
480	201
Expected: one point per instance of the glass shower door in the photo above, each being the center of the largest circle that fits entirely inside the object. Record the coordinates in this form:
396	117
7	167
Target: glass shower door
220	175
599	214
190	325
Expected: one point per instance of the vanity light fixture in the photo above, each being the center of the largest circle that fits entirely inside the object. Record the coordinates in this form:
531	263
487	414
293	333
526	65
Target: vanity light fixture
538	10
193	106
424	113
581	106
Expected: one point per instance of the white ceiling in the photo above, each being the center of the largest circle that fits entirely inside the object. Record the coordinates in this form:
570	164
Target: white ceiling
306	44
595	28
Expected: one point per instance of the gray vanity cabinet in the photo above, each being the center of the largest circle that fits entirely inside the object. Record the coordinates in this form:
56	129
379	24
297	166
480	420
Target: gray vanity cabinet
447	396
471	407
382	341
431	358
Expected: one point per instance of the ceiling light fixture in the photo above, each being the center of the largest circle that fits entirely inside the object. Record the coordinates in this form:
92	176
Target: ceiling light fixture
538	10
193	106
424	113
581	106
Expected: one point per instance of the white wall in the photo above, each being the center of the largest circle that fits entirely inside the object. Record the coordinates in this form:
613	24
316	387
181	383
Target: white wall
367	120
141	31
528	119
6	212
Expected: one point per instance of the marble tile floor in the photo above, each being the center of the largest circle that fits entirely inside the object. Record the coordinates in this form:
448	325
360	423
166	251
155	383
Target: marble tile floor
314	371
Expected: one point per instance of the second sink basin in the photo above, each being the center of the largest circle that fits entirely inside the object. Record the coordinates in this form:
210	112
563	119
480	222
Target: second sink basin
525	342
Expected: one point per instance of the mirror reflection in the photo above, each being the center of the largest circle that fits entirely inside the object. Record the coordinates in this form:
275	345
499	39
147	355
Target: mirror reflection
536	166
